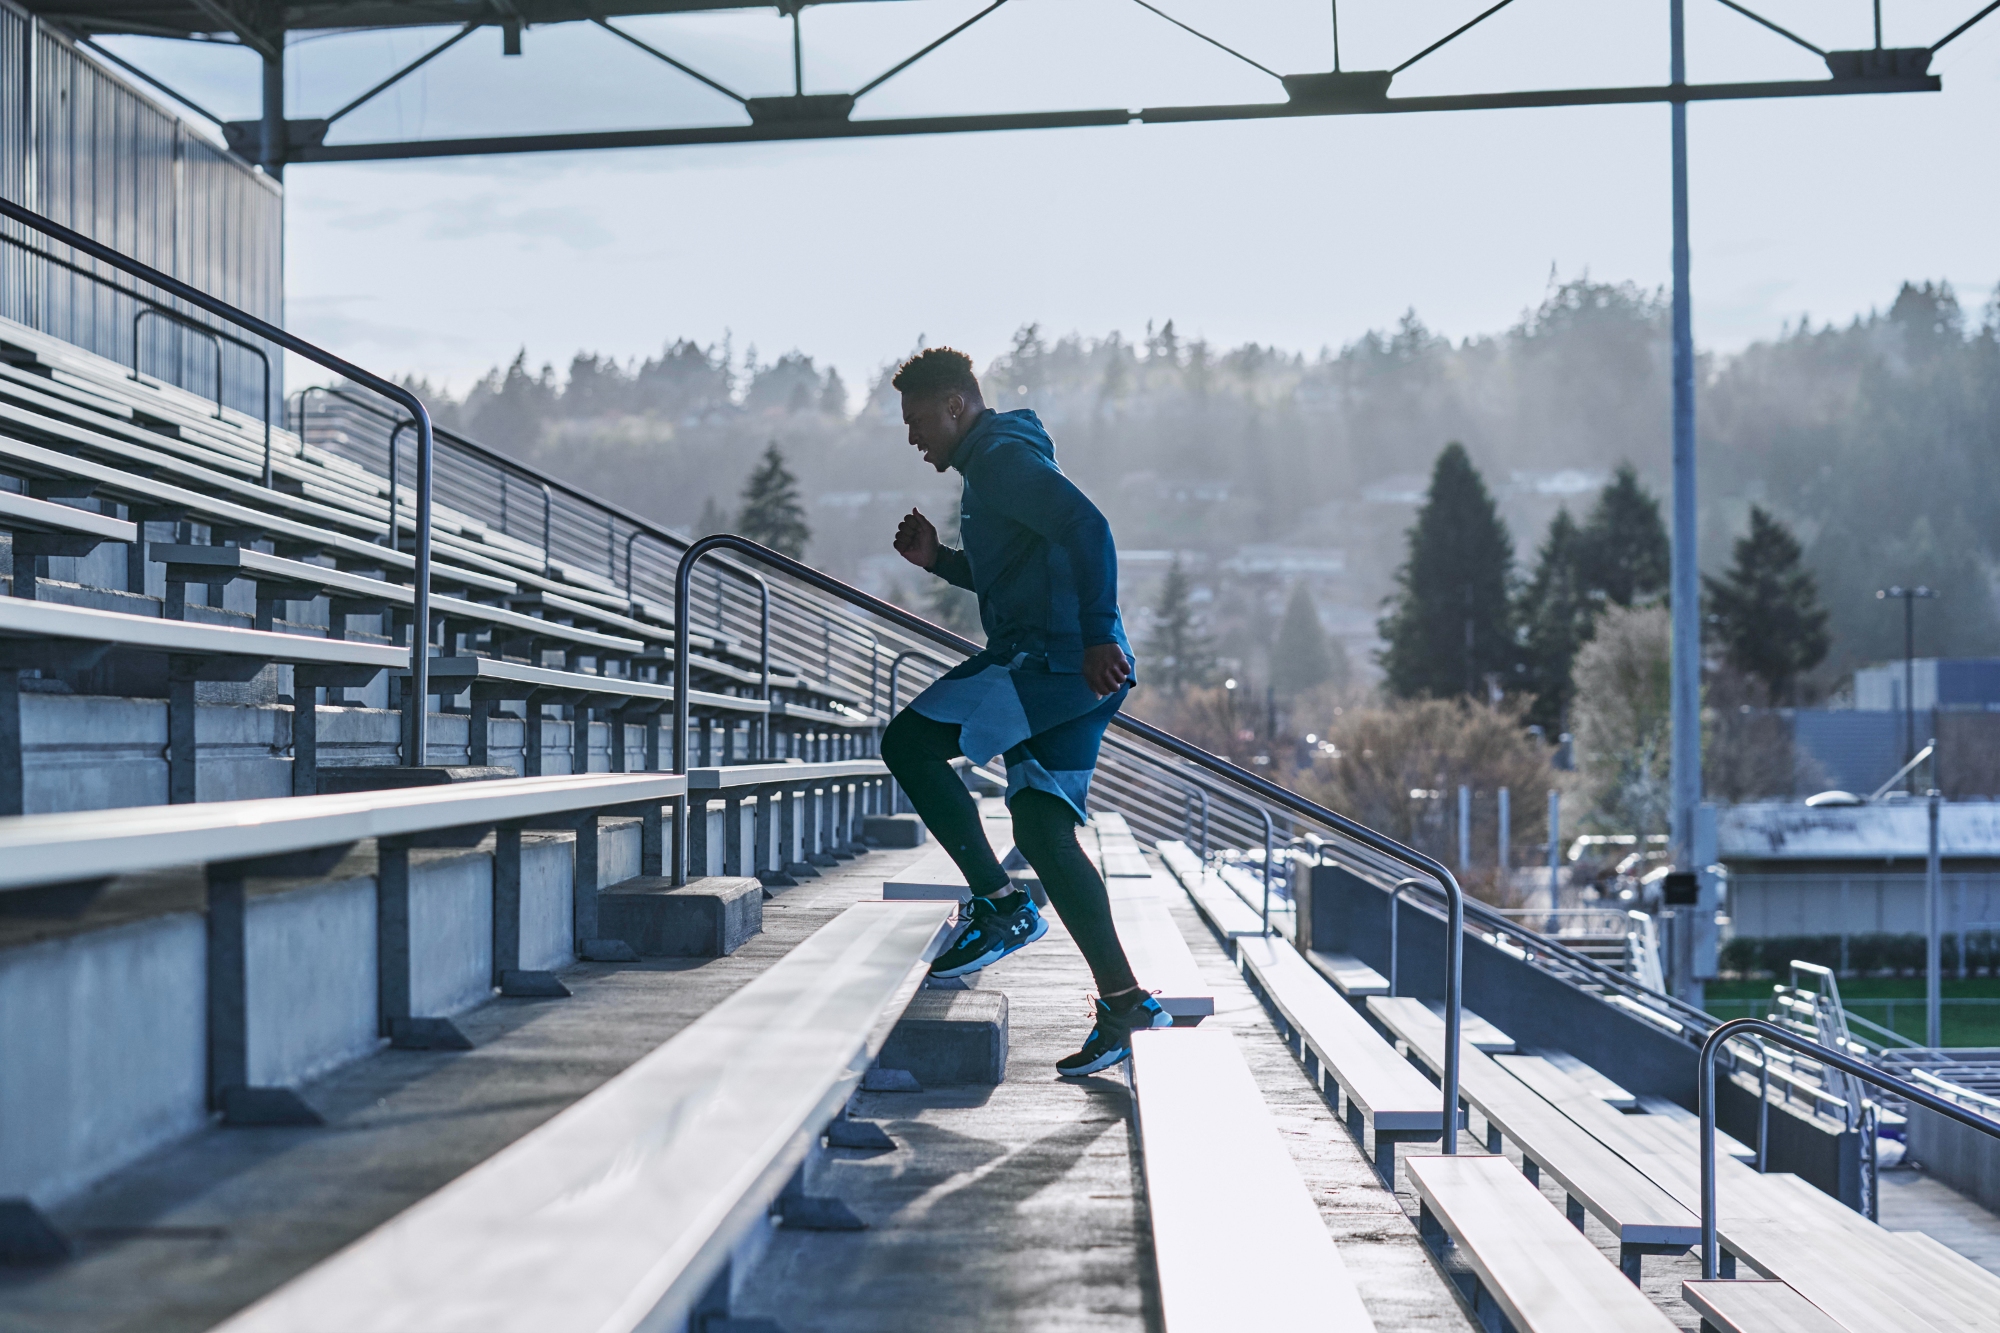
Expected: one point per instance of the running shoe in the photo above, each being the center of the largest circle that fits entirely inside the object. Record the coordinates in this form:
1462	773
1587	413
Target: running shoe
990	935
1111	1040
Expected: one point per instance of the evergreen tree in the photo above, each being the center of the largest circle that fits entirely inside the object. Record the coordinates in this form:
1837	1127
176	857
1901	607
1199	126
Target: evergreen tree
1178	650
1622	550
1766	611
1449	625
772	511
1556	614
1302	658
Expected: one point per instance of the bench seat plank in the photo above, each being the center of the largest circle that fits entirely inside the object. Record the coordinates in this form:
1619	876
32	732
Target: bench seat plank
20	619
1350	976
22	513
1544	1275
460	673
616	1214
1643	1216
86	844
1226	913
1384	1093
1154	946
1756	1307
1237	1239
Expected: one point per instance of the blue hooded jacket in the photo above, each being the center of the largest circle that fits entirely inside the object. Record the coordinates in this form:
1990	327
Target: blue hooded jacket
1037	552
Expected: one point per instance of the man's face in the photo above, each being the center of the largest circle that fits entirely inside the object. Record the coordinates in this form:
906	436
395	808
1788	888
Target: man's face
937	422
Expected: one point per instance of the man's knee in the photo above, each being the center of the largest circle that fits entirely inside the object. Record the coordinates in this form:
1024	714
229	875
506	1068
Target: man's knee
1044	824
911	738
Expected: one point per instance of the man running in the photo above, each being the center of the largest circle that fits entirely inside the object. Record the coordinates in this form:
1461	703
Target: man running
1057	665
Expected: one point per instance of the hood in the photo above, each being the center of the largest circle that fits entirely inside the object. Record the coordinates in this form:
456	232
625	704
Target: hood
1021	424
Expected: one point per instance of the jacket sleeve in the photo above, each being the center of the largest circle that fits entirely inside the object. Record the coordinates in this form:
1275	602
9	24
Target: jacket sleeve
1032	491
952	566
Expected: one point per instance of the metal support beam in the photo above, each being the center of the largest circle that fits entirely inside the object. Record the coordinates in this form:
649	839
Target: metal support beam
271	146
786	130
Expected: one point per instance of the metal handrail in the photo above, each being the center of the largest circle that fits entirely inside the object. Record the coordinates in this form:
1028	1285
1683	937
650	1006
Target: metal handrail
166	311
1825	1055
414	707
193	326
1446	883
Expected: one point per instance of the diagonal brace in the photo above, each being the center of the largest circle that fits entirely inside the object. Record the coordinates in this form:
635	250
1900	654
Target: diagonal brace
896	69
405	71
658	54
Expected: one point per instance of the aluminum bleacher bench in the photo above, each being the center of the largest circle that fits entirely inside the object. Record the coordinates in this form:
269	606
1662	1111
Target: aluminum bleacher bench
68	854
1156	949
50	472
1384	1095
1643	1217
55	639
1756	1307
153	460
1237	1239
280	581
42	528
1769	1221
817	808
1519	1261
1350	976
1228	915
491	680
624	1211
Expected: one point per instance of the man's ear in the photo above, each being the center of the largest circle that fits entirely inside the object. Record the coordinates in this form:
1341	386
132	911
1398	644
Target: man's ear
954	405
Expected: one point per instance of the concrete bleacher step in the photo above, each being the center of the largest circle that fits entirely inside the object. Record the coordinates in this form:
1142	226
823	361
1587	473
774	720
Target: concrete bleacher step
625	1210
1237	1240
1642	1216
1522	1262
1756	1307
710	916
1384	1097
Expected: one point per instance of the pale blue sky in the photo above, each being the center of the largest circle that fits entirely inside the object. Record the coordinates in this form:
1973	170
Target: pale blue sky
1301	233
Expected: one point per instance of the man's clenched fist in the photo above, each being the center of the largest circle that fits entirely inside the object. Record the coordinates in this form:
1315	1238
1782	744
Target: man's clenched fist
917	540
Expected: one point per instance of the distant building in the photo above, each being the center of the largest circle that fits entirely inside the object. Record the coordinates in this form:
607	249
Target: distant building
1856	870
1948	682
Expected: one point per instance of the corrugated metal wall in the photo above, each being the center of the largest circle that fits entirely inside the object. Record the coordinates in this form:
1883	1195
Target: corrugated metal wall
82	146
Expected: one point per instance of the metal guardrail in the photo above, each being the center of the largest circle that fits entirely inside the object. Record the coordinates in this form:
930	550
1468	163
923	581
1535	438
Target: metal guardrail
1847	1064
414	717
1446	884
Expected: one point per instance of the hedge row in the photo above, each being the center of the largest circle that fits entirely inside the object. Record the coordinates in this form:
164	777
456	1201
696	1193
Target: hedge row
1867	955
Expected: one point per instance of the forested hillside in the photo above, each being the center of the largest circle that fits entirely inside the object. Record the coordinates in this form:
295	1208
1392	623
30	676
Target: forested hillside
1875	441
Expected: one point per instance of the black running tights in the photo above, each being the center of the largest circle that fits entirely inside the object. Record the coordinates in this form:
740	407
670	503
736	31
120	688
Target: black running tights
919	752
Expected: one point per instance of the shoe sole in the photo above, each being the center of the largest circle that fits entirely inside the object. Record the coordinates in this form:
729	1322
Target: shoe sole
989	959
1110	1058
1099	1065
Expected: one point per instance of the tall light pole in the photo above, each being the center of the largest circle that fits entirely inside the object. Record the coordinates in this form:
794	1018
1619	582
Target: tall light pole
1910	597
1685	574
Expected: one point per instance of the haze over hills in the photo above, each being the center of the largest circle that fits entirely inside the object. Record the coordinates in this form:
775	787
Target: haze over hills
1873	439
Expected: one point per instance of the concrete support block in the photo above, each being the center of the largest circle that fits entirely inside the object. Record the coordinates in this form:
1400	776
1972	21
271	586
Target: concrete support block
709	917
948	1037
893	830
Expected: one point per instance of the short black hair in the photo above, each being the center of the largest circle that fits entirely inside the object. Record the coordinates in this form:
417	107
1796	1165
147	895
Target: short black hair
936	370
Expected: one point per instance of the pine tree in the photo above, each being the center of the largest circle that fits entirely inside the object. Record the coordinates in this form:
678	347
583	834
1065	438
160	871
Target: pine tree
1766	611
1302	657
772	511
1178	650
1622	551
1449	626
1556	614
